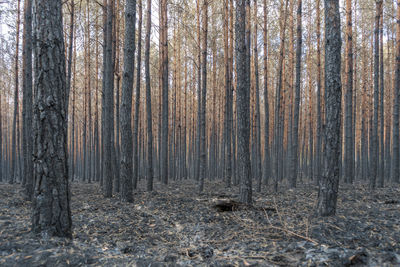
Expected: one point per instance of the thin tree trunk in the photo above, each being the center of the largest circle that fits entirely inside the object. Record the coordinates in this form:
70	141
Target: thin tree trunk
203	155
27	102
295	150
318	151
267	165
164	82
349	146
148	101
375	145
381	175
16	100
137	100
108	114
395	162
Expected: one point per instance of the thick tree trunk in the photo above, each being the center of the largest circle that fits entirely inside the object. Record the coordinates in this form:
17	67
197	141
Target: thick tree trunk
329	182
243	104
126	166
51	210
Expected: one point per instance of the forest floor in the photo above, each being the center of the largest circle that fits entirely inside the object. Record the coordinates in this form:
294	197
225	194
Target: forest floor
175	227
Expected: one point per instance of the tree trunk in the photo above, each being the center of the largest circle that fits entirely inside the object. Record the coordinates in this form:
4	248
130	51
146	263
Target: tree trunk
243	104
164	83
295	150
203	155
108	141
395	162
329	182
277	122
16	100
381	174
148	101
348	145
267	165
137	100
228	101
257	111
318	151
375	145
27	101
51	210
126	166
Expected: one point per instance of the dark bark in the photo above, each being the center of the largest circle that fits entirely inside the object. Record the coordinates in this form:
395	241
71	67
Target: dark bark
137	100
27	101
51	210
257	108
295	138
126	167
374	144
395	135
243	104
318	151
203	155
108	140
278	136
228	101
329	182
267	165
348	141
150	172
15	126
382	167
164	85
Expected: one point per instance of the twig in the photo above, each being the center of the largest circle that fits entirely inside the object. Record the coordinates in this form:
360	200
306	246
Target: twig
289	231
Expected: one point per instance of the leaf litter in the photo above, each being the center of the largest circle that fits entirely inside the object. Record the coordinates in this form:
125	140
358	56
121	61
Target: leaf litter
173	226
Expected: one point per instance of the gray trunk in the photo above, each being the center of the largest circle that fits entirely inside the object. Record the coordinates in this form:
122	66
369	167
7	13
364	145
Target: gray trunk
137	101
295	149
329	182
27	101
395	135
51	210
203	155
126	167
243	104
150	172
108	141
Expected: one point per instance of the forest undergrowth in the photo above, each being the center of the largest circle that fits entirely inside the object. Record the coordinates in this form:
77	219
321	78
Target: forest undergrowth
173	226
